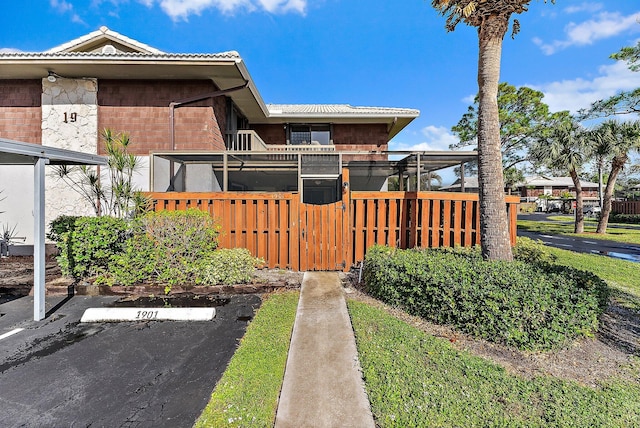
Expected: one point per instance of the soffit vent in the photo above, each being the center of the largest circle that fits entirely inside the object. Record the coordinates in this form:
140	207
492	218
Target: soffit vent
108	49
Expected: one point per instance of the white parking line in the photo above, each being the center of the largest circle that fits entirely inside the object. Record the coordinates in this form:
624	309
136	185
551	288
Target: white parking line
10	333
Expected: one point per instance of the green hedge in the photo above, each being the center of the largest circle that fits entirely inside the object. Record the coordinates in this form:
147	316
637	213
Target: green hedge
167	247
61	225
624	218
530	304
88	244
228	266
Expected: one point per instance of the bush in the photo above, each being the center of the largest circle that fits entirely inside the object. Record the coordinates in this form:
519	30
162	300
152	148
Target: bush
624	218
90	245
137	263
61	225
166	246
530	251
228	266
529	303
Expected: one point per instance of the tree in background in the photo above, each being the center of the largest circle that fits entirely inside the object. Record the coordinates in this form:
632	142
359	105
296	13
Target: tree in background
512	177
623	138
601	146
491	18
523	118
564	149
431	180
627	102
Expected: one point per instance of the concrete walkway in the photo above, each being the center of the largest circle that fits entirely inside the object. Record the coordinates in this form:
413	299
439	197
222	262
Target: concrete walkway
322	383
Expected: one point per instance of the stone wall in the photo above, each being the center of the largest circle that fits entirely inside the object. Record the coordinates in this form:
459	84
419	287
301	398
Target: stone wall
69	121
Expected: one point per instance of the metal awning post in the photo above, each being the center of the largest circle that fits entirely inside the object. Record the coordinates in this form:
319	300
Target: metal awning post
225	172
38	241
418	173
20	153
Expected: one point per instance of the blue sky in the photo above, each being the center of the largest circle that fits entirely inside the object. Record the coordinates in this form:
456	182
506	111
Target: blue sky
366	53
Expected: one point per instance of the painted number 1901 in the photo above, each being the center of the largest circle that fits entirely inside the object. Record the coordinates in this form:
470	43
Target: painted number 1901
147	315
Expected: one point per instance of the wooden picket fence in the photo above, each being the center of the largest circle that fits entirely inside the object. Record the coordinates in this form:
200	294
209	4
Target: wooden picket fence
289	234
418	219
625	207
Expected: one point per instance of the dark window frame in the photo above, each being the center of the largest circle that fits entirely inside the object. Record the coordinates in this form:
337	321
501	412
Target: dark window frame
302	133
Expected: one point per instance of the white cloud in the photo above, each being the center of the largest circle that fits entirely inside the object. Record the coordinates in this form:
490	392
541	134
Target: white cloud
584	7
605	25
469	99
64	7
9	50
182	9
437	138
61	6
579	93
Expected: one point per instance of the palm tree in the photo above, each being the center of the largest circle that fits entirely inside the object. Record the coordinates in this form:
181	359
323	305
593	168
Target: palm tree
492	20
600	142
624	137
564	149
427	181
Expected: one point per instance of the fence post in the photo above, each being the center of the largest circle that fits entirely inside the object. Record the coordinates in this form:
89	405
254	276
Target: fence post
345	241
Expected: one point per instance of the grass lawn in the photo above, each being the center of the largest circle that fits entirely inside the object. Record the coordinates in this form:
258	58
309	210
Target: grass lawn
416	380
620	234
247	395
621	275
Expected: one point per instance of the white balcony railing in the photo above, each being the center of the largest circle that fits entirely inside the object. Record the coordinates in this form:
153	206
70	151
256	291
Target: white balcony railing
245	141
249	141
300	148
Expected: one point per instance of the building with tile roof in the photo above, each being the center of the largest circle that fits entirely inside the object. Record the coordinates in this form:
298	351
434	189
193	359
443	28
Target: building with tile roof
197	122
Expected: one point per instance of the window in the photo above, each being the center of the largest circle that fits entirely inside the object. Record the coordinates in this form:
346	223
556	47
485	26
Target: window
310	134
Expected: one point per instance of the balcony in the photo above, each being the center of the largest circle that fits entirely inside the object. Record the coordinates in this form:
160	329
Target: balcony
250	141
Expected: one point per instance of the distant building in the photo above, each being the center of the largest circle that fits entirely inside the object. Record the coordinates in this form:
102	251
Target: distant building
555	187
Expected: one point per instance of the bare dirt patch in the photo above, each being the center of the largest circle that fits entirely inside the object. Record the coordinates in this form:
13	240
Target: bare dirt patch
613	354
16	277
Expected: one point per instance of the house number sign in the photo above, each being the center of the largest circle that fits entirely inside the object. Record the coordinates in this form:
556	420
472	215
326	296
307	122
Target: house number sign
70	117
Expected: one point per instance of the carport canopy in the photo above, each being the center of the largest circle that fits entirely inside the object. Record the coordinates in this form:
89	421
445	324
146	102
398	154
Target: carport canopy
20	153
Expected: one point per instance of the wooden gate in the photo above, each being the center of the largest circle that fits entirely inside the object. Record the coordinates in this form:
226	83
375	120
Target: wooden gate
323	236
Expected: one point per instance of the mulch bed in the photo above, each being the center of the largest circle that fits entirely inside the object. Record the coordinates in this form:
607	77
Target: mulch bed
16	280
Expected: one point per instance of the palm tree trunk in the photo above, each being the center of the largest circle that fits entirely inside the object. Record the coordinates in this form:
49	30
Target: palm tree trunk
494	225
579	225
600	198
616	166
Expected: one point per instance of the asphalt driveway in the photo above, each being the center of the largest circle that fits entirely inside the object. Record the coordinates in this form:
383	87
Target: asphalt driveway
59	372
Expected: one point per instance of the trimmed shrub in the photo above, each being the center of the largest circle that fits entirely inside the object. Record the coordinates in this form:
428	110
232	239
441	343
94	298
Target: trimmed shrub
624	218
529	304
61	225
228	266
137	263
88	248
166	246
532	251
